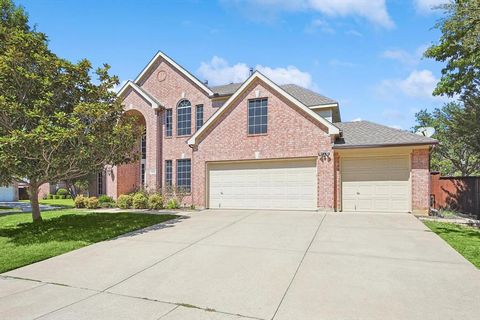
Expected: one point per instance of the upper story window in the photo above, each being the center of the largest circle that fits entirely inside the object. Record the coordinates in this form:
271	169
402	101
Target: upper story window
198	117
168	122
257	116
184	118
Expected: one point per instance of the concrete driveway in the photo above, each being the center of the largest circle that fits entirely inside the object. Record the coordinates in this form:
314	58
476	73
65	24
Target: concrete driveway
254	264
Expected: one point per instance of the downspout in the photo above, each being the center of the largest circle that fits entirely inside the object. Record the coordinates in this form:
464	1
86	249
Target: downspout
191	173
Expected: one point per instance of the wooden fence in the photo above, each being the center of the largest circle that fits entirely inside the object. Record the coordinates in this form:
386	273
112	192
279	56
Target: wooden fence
461	194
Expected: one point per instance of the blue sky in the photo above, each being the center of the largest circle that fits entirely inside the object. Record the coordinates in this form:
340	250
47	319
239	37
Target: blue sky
366	54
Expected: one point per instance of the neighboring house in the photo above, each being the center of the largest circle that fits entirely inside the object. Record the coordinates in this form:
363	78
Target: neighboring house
259	145
51	188
9	193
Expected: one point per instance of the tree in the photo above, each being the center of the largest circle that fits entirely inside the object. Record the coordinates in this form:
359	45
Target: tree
455	155
459	47
77	186
55	123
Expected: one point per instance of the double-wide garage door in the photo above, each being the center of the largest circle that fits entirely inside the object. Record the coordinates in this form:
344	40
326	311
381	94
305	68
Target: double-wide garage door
376	184
290	184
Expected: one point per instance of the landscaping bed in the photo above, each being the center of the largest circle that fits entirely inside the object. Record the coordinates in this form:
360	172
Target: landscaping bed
464	239
23	242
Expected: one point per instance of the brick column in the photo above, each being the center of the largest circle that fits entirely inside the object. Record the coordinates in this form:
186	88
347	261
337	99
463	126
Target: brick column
420	181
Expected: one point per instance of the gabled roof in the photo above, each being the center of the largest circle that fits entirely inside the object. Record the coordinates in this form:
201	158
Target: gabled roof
332	129
305	96
161	55
365	134
130	85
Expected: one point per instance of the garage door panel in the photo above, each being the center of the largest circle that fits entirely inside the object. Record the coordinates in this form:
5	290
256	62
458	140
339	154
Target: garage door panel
364	204
376	184
263	185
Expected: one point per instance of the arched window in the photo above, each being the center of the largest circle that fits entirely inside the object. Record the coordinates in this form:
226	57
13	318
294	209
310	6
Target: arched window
184	118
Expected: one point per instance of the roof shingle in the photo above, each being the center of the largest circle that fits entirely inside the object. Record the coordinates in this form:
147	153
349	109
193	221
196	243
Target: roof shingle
369	134
305	96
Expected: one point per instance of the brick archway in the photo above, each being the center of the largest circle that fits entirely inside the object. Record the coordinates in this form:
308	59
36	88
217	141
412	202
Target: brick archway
131	177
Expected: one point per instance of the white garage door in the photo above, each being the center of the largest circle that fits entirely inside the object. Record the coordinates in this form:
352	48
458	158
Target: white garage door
264	185
7	193
376	184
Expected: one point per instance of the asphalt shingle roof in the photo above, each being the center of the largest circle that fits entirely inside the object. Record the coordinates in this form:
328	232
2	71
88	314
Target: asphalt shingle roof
305	96
365	134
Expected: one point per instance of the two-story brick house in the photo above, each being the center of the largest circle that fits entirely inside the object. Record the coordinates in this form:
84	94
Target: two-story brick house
260	145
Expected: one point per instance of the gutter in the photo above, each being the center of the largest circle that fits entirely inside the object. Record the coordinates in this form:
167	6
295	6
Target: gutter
365	146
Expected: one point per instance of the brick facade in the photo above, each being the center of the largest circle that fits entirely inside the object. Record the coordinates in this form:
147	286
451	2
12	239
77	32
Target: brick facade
292	133
420	180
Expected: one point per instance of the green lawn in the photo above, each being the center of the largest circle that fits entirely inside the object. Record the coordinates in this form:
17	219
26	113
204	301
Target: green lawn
63	203
23	242
466	240
5	208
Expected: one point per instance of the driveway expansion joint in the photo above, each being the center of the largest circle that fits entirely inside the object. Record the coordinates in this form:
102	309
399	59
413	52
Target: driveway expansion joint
299	265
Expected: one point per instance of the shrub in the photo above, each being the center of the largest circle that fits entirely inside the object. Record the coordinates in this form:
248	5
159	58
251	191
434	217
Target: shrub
124	201
107	204
173	204
80	202
49	196
62	196
139	201
155	202
62	192
105	199
91	203
56	197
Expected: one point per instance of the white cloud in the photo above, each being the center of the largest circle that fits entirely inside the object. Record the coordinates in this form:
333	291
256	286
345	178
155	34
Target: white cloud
357	120
418	84
319	24
400	55
374	11
426	6
290	74
218	71
353	33
405	57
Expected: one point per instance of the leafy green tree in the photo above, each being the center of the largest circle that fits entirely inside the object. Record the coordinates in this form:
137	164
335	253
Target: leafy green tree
459	47
455	155
55	122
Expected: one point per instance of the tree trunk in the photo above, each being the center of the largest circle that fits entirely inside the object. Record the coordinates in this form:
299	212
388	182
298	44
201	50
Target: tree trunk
71	189
33	193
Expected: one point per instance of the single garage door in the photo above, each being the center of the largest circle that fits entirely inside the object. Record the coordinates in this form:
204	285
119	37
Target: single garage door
7	193
264	185
376	184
